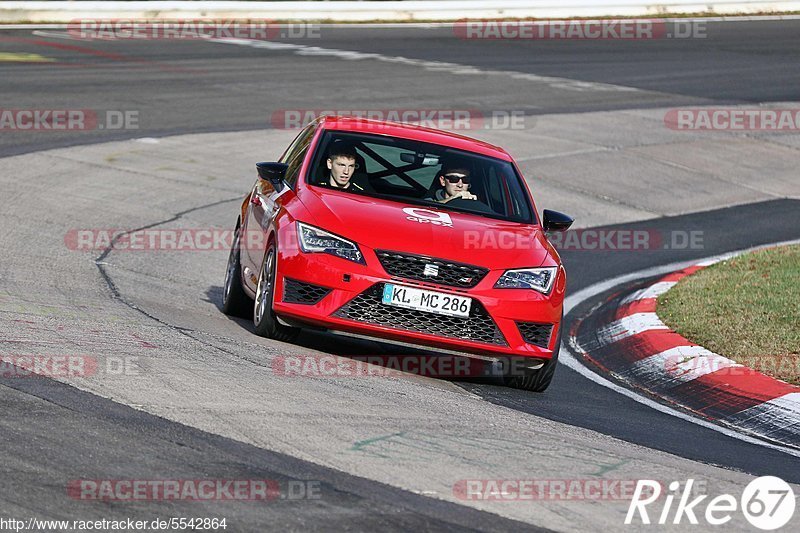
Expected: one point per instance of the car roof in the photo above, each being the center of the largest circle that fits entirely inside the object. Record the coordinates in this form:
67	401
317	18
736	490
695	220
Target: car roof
412	132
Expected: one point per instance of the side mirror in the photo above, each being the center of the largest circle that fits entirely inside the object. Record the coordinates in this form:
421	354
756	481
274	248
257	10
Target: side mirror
555	221
273	173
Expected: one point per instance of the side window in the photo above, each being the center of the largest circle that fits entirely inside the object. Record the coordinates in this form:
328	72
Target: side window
296	153
290	152
293	172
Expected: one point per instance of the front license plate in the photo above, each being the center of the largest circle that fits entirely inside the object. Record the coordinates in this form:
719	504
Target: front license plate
430	301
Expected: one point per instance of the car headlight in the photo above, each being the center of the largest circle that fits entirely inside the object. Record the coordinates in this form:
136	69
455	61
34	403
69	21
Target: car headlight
538	279
318	240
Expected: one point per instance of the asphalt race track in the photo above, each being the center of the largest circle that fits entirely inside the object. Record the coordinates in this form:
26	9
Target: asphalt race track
181	86
203	400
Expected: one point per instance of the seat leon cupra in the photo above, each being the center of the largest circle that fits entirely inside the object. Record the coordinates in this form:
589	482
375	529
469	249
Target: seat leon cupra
403	233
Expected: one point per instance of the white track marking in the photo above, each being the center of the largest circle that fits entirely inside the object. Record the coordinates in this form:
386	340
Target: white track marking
56	35
435	66
629	326
677	365
653	291
782	412
568	358
713	260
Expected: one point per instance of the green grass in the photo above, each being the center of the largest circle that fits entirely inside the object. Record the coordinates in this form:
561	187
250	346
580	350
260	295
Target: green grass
746	309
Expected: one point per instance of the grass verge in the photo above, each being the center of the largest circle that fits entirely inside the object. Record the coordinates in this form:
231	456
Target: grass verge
746	309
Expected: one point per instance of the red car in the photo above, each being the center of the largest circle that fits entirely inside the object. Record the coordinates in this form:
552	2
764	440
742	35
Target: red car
404	233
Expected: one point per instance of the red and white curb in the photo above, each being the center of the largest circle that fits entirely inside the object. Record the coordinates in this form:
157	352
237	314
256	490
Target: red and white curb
626	339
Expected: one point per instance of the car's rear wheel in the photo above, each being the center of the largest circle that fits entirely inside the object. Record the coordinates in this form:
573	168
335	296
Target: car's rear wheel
266	324
235	301
534	380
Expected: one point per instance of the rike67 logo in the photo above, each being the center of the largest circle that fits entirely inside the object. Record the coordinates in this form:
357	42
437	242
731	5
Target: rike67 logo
767	503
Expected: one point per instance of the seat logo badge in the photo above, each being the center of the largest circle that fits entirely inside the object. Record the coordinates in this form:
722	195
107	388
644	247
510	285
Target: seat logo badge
431	271
427	216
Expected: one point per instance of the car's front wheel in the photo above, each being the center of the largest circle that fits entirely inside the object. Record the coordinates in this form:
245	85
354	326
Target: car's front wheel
534	380
266	324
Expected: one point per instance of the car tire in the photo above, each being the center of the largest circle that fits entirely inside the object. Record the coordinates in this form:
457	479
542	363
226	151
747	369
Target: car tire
536	380
235	301
264	320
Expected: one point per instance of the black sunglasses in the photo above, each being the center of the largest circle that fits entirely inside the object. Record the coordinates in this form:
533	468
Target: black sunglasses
455	178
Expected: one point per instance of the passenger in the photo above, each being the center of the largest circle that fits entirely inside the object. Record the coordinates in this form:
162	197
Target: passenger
342	166
454	183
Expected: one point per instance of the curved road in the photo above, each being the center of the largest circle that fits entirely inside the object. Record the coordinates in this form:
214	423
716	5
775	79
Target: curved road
200	398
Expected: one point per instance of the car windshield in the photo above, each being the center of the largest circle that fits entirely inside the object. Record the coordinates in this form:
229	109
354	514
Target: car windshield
415	172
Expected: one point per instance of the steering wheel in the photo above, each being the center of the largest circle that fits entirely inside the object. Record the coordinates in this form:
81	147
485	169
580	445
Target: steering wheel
473	205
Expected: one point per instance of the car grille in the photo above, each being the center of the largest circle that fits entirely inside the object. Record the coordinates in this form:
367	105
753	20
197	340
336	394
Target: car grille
438	270
368	307
299	292
534	333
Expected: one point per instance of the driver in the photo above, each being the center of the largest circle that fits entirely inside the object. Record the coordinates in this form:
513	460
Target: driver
342	166
455	184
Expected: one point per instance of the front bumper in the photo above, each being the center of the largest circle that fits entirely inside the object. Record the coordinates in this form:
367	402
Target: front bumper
342	295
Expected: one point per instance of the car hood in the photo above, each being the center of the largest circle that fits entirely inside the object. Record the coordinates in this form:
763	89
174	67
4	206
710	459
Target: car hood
396	226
